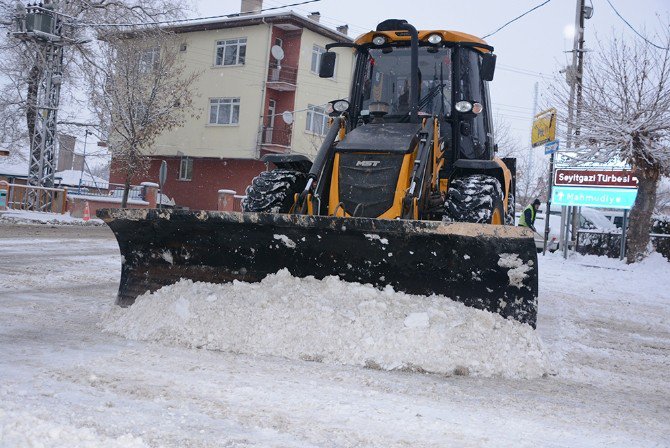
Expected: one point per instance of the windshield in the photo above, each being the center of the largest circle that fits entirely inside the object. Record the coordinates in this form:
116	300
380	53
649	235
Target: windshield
387	77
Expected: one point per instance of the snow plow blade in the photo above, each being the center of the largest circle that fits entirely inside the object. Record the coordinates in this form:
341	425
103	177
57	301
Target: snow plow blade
488	267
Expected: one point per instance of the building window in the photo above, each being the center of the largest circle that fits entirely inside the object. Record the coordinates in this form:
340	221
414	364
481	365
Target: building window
224	111
231	51
317	120
150	59
316	58
186	168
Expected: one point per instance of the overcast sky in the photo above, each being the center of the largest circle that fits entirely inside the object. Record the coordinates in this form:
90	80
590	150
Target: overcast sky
533	46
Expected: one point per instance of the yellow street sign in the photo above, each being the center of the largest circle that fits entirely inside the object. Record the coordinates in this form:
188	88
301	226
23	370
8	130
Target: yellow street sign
544	128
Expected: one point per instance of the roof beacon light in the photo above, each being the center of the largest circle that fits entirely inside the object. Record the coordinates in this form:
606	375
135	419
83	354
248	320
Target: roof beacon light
379	40
434	39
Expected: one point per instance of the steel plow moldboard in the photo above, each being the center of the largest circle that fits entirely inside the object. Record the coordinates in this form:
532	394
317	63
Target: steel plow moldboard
492	268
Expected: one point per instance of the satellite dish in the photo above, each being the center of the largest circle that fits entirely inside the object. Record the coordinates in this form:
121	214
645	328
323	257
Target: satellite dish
277	52
287	116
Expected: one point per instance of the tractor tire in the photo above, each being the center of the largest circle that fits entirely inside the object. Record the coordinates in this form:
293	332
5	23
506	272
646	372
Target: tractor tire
509	216
273	191
476	198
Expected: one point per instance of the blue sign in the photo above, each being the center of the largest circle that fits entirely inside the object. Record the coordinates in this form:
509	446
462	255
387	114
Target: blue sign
551	147
594	197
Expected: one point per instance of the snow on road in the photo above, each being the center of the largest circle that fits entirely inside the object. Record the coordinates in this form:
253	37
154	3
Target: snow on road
604	327
334	321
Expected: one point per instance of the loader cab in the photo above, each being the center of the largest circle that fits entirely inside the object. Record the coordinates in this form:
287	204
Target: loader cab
418	117
452	77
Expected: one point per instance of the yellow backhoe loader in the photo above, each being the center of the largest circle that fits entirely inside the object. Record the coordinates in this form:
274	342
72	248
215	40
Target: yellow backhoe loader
404	191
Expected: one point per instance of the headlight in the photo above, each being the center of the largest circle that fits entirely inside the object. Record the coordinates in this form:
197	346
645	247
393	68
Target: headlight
379	40
434	39
464	106
340	105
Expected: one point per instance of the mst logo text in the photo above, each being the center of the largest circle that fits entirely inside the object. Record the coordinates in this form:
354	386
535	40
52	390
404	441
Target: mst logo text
368	163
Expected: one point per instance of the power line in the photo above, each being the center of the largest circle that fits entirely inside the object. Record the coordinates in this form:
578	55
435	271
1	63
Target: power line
174	21
517	18
634	30
523	71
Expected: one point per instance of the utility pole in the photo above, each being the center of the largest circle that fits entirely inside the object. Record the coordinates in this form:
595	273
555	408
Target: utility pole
531	153
44	27
83	162
575	77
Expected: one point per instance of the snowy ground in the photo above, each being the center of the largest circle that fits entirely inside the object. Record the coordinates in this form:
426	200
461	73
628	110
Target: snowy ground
29	217
604	328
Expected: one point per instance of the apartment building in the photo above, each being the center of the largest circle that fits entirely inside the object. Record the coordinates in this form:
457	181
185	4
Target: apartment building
259	93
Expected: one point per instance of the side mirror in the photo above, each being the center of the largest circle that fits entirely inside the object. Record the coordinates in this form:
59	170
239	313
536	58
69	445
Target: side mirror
488	66
327	66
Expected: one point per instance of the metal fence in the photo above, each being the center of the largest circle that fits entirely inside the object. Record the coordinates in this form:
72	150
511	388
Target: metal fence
30	197
276	136
594	242
283	74
107	189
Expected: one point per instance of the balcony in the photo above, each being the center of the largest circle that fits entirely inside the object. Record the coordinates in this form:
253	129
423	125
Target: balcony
277	140
282	78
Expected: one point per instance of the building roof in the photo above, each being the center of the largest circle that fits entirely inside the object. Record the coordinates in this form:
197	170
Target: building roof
288	18
13	166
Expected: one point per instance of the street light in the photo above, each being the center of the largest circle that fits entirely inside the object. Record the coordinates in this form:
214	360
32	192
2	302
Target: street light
83	162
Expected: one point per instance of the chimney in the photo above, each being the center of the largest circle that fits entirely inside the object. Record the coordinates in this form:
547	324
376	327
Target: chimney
343	29
251	7
316	15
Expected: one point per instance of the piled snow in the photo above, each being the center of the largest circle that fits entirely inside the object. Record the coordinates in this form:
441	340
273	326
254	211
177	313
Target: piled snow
30	217
21	429
335	322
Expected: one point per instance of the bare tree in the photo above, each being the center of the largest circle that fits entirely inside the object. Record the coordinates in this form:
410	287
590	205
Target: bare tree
141	88
625	117
22	68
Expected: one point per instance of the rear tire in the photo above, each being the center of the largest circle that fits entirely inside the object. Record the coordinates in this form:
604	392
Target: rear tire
476	198
273	191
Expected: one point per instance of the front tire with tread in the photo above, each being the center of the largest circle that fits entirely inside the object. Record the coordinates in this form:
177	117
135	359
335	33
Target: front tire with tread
476	198
273	191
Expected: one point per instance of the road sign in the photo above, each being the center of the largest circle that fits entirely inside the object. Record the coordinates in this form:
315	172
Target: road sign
162	174
623	198
551	147
609	178
544	128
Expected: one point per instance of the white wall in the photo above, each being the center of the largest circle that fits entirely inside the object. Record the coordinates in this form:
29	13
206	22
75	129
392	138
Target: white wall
197	137
317	91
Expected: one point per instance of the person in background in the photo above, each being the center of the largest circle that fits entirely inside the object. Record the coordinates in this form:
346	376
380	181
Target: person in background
527	218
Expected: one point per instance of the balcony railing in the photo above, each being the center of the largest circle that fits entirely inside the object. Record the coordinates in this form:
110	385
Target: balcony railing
276	136
285	75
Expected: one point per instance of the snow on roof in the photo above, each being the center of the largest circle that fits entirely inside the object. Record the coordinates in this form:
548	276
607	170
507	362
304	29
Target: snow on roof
71	177
13	166
237	20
